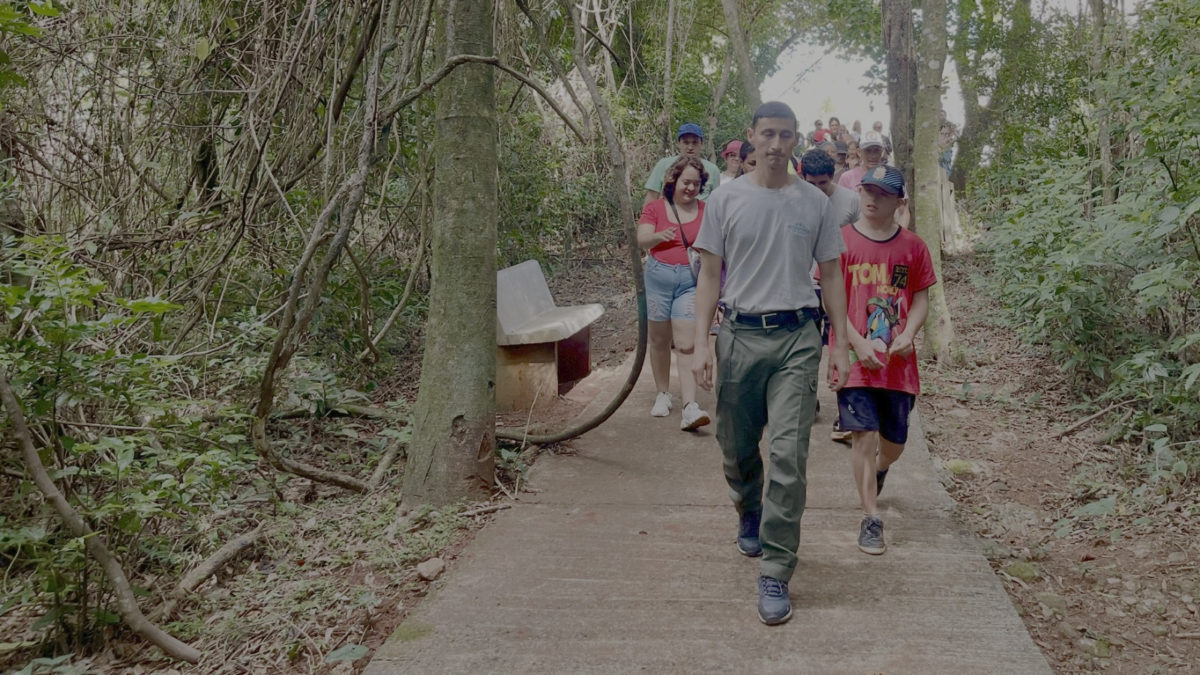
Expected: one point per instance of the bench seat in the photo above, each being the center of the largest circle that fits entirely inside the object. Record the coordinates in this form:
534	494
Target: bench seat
552	325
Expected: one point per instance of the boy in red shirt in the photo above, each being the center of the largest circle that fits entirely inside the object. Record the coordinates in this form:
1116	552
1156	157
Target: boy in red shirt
887	271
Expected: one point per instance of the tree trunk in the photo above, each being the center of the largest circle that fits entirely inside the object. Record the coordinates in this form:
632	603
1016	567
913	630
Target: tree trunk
976	118
902	80
926	195
741	51
668	114
977	126
452	451
710	148
976	129
1103	132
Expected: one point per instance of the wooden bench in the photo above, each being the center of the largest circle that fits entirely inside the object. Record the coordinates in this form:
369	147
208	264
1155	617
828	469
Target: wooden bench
542	349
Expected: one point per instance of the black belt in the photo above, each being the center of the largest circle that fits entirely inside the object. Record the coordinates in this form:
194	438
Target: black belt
786	319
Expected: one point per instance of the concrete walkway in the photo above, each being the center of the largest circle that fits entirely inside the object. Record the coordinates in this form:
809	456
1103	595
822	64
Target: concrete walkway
625	562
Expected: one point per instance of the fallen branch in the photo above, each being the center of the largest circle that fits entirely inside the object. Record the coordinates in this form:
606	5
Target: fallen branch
127	605
484	509
1090	418
258	434
349	409
192	580
385	463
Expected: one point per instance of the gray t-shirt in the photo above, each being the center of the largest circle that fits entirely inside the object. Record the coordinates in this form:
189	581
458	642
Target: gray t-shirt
846	205
769	240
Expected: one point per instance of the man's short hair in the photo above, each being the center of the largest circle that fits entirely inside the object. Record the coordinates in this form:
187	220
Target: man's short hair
816	163
776	109
834	119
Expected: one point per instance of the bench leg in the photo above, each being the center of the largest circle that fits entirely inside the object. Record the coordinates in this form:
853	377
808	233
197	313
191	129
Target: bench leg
574	359
526	376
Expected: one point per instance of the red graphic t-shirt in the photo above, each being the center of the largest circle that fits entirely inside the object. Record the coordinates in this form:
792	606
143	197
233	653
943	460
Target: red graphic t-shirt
881	279
670	252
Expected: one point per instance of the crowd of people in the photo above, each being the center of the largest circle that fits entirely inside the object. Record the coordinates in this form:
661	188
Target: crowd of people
741	254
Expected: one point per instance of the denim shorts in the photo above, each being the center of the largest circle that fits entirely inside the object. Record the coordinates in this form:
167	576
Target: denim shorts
871	409
670	291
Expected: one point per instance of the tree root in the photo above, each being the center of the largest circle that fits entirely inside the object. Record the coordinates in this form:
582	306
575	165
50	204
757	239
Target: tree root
258	435
127	605
204	570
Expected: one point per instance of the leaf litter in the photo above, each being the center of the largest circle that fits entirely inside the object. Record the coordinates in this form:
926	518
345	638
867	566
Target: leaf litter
1101	558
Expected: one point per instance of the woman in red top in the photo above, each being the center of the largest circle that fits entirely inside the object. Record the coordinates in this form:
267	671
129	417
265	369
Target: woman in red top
667	228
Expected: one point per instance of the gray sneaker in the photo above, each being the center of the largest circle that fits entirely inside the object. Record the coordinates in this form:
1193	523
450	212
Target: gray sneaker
774	605
870	536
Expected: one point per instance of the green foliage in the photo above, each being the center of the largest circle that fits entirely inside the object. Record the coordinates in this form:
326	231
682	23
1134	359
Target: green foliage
554	196
1112	290
122	449
16	23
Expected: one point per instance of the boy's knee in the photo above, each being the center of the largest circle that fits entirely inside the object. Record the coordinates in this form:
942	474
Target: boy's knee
685	350
864	441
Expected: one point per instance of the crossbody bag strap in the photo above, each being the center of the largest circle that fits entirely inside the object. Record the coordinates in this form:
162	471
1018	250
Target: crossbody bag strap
687	246
686	243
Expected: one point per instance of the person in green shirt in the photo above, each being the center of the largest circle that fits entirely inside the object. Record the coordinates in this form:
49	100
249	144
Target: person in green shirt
691	142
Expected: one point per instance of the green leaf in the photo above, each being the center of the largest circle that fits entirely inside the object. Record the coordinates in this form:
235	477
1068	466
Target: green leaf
1180	468
203	49
347	653
151	305
1102	507
1160	428
14	646
46	9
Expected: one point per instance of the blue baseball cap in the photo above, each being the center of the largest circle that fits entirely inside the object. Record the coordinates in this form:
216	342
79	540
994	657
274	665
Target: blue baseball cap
888	178
690	128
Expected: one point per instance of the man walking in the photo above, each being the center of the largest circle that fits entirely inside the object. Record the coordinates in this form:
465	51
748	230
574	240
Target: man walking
871	148
691	141
817	169
768	229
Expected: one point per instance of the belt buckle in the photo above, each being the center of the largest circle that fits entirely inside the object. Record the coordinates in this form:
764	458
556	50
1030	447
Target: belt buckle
764	317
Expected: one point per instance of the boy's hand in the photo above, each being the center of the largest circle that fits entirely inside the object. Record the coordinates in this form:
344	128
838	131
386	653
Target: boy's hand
867	354
839	367
902	345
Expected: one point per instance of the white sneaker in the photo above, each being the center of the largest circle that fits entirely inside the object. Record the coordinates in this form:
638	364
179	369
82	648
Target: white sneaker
662	404
693	417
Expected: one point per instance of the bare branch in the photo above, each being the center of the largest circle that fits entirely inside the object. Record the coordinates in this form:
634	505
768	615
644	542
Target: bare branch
455	61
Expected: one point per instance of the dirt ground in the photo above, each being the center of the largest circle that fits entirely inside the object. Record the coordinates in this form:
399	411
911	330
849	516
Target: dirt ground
1101	561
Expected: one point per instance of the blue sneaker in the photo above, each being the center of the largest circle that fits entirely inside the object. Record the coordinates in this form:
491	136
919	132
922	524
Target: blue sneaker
747	539
774	605
870	536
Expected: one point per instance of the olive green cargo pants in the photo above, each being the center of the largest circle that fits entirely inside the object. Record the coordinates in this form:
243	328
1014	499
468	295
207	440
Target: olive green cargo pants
767	378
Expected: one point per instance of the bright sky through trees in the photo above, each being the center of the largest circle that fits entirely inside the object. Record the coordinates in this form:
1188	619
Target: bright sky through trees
817	83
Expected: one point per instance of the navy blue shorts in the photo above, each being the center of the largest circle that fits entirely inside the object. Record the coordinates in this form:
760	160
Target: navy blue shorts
870	409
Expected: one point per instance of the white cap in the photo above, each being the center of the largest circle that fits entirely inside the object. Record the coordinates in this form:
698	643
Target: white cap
871	138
